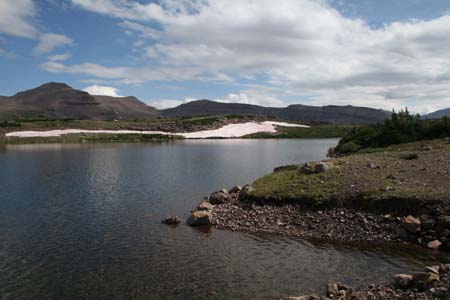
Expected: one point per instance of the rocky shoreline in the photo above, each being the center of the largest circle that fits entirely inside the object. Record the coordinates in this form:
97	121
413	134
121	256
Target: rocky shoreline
234	210
432	283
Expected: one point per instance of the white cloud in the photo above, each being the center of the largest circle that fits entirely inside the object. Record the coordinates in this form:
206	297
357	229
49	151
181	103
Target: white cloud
15	18
252	97
301	48
50	41
102	90
59	57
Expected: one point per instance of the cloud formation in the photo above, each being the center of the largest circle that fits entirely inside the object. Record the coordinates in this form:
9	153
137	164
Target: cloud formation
102	90
15	18
301	48
50	41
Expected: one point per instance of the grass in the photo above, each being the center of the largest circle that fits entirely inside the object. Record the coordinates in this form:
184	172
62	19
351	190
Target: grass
315	131
408	178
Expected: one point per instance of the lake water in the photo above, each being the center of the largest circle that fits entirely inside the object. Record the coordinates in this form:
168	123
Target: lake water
83	222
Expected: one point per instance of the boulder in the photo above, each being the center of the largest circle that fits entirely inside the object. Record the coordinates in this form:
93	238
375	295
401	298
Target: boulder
200	218
411	224
171	220
322	167
245	192
205	206
235	189
306	168
219	197
436	244
403	280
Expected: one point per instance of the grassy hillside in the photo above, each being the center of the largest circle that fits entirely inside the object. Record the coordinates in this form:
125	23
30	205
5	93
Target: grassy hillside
405	176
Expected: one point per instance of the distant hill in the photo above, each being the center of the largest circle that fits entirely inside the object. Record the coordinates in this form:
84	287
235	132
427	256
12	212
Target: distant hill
317	114
439	114
60	101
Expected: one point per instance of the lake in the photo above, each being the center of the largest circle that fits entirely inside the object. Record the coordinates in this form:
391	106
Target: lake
83	221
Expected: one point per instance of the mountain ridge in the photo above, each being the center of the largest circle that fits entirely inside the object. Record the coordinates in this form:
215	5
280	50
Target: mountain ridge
55	100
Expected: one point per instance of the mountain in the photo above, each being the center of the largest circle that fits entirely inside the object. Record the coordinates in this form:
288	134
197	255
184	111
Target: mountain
310	114
439	114
60	101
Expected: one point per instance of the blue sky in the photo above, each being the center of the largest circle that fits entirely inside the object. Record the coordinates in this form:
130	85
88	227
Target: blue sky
377	53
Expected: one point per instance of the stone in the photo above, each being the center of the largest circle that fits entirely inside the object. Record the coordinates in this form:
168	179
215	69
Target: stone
411	224
433	269
245	192
171	220
200	218
205	206
332	289
322	167
427	222
358	296
403	280
219	197
235	189
423	280
436	244
372	165
307	169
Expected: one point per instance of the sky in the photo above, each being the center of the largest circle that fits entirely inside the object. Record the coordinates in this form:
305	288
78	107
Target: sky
385	54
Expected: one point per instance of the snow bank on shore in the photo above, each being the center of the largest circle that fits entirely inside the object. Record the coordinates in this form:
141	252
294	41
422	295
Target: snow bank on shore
227	131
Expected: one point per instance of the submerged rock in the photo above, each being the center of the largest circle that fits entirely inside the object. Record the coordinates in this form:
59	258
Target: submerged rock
200	218
171	220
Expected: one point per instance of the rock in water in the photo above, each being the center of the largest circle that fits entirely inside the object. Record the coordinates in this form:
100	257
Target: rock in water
200	218
219	197
411	224
205	206
171	220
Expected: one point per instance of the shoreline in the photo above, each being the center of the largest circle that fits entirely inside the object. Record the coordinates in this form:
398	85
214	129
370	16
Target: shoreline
381	198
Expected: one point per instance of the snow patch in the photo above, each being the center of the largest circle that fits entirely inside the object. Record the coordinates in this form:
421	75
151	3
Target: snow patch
227	131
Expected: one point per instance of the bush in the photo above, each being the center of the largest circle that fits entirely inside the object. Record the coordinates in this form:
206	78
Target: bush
401	128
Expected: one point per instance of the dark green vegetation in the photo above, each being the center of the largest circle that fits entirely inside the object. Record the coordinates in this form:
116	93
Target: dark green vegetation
401	128
315	131
403	176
